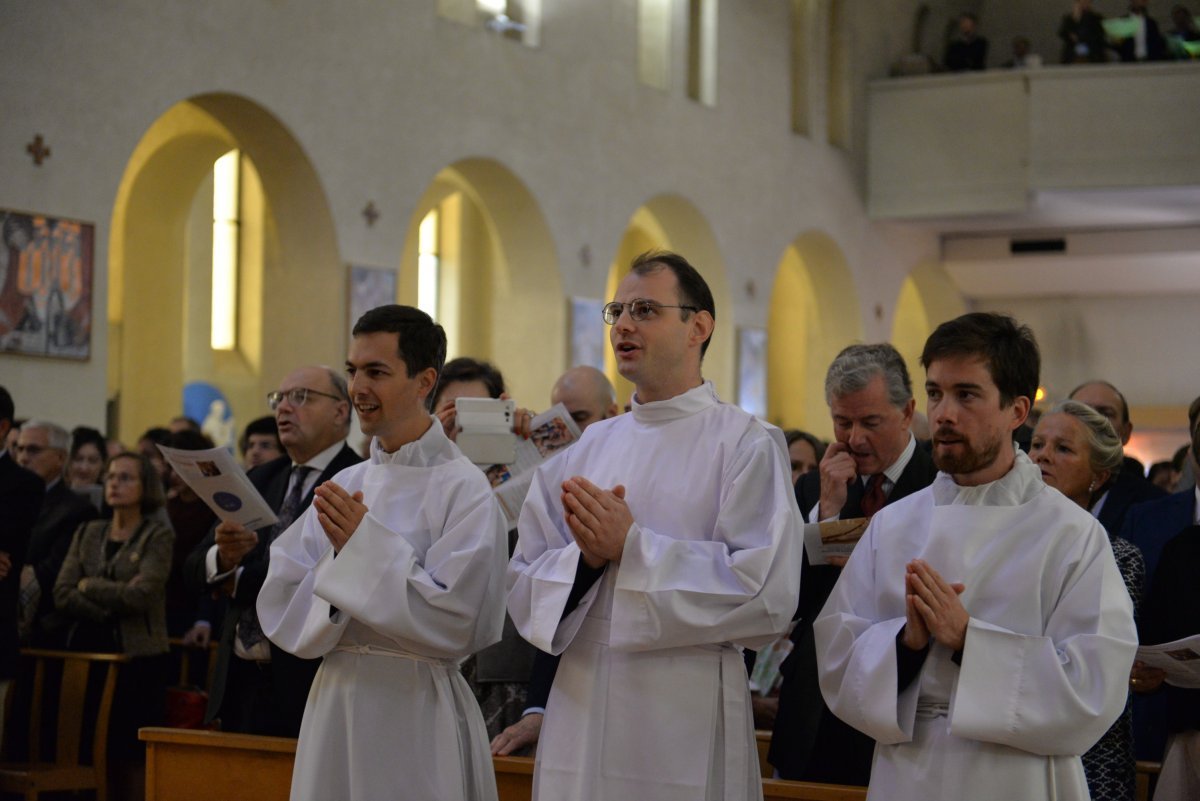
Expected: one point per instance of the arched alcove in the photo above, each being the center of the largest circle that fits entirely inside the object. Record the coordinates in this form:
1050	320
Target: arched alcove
927	299
814	313
670	222
501	296
291	290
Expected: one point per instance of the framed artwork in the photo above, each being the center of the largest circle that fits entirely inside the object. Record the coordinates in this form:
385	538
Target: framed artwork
752	371
45	285
369	287
589	336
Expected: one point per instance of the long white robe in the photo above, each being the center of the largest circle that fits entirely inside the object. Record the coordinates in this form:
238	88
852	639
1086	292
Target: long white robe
1046	663
650	700
418	587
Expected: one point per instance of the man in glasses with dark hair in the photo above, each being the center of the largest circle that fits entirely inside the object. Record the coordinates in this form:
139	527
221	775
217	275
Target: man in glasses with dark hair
257	688
648	551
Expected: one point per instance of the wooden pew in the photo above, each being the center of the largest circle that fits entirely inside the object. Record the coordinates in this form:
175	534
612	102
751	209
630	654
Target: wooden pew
192	765
196	765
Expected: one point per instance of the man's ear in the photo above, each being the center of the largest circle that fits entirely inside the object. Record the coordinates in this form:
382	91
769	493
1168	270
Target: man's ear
1021	406
426	382
702	327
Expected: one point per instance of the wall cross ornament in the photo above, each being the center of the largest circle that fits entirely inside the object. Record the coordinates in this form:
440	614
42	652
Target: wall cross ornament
37	148
370	213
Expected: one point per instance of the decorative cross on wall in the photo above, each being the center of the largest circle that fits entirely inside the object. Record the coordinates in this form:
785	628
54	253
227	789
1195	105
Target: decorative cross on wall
370	213
37	148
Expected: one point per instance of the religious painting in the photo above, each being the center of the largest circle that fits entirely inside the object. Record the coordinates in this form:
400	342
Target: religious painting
369	287
752	371
589	336
45	285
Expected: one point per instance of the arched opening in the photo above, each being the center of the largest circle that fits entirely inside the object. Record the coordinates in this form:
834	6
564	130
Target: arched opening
814	313
499	292
669	222
927	299
160	258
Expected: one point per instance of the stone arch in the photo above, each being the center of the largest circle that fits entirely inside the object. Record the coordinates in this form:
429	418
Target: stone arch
814	313
503	295
288	248
927	299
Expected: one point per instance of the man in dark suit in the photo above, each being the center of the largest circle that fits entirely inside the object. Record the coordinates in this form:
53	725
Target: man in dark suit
1130	485
873	461
1150	526
258	688
20	500
42	449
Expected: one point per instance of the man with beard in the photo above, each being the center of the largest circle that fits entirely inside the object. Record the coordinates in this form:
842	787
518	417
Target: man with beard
980	632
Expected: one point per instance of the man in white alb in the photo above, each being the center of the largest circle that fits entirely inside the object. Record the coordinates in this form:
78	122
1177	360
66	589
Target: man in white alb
980	632
394	575
648	551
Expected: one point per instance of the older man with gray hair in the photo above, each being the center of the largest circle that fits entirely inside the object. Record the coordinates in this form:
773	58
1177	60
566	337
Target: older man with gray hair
873	461
42	448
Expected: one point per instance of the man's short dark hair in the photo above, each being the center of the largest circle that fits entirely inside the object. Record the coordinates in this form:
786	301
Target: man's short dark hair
464	368
422	341
1009	350
1117	392
259	427
86	435
7	410
188	440
158	435
693	289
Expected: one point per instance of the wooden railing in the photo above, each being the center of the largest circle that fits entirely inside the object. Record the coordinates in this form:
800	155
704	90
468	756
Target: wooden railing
187	765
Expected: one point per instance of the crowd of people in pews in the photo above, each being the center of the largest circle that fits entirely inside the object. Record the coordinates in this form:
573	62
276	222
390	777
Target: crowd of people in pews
107	549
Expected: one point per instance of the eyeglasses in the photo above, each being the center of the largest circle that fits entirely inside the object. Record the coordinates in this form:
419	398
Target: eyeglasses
33	450
296	396
639	309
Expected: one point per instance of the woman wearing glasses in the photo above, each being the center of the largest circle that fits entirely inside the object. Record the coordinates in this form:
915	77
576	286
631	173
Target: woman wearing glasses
111	586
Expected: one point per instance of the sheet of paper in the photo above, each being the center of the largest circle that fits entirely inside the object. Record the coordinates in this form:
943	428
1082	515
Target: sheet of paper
1180	660
551	431
832	538
222	484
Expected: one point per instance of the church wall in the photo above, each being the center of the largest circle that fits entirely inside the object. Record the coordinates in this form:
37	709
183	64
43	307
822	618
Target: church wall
1144	344
381	97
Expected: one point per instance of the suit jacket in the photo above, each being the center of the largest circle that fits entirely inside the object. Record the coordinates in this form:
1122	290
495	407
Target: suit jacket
63	512
809	743
21	495
1130	488
139	610
291	675
1172	612
1150	526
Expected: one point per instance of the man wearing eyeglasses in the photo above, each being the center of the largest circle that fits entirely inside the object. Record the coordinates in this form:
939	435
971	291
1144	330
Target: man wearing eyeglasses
258	688
648	552
42	448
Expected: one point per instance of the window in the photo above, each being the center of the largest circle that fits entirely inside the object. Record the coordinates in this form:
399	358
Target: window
520	20
428	265
654	43
702	51
227	217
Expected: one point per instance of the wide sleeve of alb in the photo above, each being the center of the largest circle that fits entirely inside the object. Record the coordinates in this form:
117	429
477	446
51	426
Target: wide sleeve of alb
856	651
1056	693
738	584
544	565
447	603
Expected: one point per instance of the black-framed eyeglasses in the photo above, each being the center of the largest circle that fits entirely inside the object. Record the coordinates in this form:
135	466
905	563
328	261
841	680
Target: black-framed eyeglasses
639	309
296	396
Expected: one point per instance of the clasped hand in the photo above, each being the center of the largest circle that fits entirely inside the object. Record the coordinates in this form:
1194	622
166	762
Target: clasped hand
599	519
338	512
932	608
